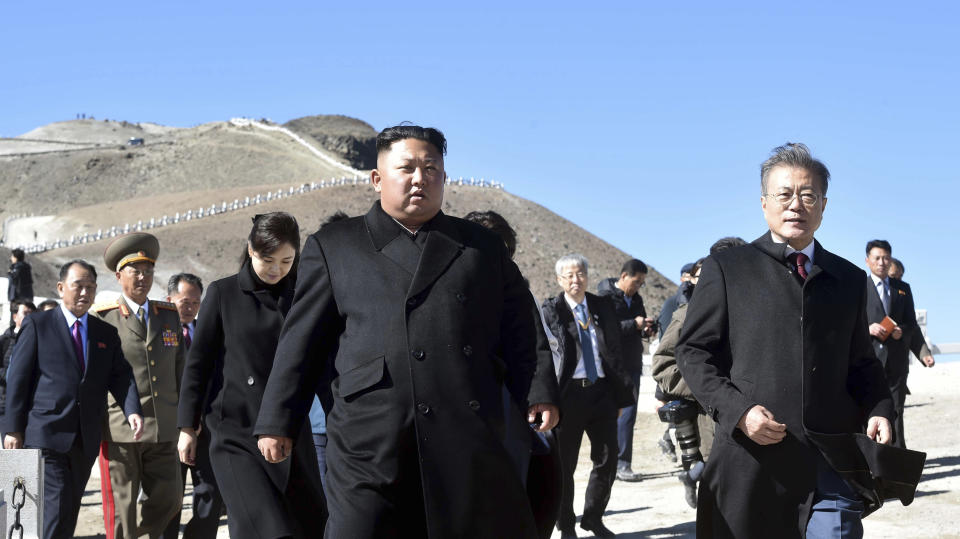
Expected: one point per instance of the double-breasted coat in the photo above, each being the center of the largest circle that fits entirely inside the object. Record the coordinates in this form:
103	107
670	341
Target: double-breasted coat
423	343
755	335
230	359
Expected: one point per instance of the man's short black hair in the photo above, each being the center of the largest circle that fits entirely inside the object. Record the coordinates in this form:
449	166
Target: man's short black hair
65	269
725	243
18	254
632	267
496	223
174	283
388	136
882	244
47	304
15	304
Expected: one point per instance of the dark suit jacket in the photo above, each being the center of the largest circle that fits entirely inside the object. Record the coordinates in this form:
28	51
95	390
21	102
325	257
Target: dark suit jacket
423	350
563	324
631	338
48	400
754	335
894	353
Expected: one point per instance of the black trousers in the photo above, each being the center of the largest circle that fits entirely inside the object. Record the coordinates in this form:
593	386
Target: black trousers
65	476
899	393
207	502
589	410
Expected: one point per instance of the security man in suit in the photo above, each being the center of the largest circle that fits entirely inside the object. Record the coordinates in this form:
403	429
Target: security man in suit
153	346
63	366
594	386
891	297
425	319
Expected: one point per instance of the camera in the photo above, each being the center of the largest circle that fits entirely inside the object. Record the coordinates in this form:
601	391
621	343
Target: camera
682	414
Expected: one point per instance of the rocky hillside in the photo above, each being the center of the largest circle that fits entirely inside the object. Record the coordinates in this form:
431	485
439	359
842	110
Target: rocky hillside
354	141
83	190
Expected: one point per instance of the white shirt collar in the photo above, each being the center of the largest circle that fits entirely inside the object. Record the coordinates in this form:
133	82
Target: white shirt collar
573	305
134	305
71	318
808	250
878	280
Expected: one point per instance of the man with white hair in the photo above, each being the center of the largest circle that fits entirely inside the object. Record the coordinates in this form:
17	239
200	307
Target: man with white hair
593	387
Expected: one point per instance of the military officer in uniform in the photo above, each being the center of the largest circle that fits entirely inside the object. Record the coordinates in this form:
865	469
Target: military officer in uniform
152	343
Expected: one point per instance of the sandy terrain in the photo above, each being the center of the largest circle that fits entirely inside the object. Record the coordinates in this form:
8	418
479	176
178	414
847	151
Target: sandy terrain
654	507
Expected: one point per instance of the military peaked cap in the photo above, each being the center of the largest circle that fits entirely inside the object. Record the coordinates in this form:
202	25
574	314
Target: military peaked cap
131	248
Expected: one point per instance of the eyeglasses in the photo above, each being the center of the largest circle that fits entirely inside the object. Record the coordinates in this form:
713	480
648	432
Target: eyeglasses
570	276
135	273
785	198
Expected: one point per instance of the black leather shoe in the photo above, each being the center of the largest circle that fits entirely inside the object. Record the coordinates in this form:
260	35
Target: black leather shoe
597	527
567	533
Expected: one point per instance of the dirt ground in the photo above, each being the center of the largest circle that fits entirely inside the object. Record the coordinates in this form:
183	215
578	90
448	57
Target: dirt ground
654	507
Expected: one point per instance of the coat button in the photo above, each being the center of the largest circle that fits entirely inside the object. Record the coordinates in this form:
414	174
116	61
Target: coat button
154	378
412	302
474	405
155	394
149	349
152	363
250	380
461	297
423	408
468	350
419	355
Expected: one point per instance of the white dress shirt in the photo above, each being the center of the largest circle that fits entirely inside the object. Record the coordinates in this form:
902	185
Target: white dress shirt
580	371
83	330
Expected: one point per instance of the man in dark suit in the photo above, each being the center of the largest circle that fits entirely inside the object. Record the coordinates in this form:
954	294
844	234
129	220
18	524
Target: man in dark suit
593	387
425	319
775	347
892	297
624	294
63	366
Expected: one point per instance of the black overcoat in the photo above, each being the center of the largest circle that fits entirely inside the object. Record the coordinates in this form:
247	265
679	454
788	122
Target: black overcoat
226	372
755	335
423	350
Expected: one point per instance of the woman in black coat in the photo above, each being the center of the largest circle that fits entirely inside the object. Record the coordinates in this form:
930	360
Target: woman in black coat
224	378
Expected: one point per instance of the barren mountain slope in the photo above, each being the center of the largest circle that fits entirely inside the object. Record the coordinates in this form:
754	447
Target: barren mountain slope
212	156
211	247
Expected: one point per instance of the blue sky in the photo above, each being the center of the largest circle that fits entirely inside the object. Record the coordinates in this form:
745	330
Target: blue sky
644	123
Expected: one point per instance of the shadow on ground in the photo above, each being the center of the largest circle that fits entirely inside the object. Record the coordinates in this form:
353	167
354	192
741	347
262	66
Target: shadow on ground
940	467
686	529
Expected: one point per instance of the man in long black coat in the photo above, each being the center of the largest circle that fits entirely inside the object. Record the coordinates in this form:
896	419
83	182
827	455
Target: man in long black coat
426	319
775	347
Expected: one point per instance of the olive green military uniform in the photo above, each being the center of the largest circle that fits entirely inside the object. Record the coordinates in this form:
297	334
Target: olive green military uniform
156	353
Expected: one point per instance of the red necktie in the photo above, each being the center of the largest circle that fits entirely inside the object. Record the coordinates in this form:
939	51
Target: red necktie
78	344
799	262
186	335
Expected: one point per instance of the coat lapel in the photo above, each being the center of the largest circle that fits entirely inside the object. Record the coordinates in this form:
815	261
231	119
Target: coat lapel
153	324
568	325
442	248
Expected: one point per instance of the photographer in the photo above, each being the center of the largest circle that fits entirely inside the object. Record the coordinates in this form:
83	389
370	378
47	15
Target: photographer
694	427
634	327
